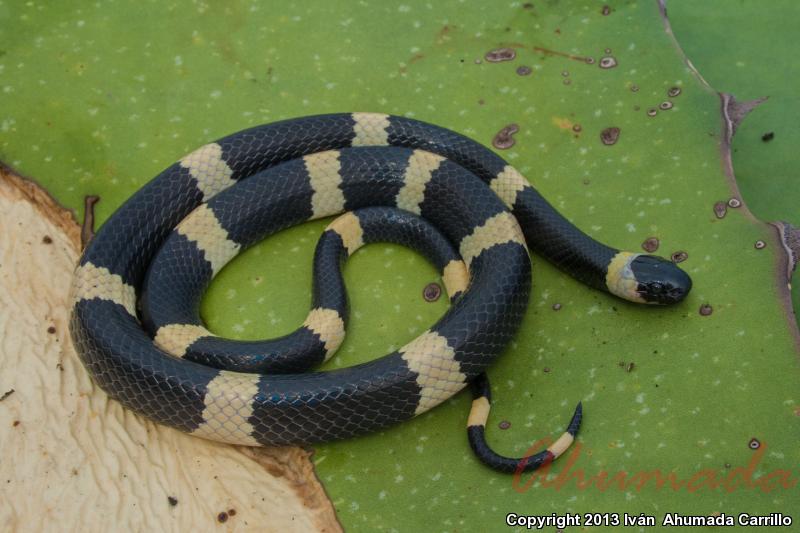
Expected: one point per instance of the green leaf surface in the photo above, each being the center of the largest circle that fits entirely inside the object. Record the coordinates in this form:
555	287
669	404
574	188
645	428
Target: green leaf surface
99	98
749	49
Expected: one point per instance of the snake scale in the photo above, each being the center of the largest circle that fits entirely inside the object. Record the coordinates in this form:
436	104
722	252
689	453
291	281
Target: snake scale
137	287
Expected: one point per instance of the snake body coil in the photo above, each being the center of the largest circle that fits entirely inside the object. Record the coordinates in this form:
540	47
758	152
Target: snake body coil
137	288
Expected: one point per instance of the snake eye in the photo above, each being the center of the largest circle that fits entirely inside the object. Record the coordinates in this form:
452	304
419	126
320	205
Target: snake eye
657	287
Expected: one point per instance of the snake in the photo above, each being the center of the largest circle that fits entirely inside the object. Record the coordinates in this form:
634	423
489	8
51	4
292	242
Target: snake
137	287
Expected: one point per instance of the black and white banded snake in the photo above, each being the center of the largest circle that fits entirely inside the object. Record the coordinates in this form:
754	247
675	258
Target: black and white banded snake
137	288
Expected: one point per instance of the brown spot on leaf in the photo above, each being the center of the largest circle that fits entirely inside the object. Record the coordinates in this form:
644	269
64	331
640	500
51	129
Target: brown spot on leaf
556	307
504	138
577	128
650	244
610	136
505	424
51	330
6	394
634	88
652	112
431	292
679	256
173	501
768	136
760	245
608	62
222	517
734	203
720	209
673	91
630	367
16	423
47	239
606	10
706	310
524	70
665	105
500	54
754	444
231	512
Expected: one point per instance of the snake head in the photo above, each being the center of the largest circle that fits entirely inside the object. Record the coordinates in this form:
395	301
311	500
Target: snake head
647	279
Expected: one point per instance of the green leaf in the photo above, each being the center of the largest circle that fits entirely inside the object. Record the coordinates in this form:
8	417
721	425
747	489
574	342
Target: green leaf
745	49
756	60
98	99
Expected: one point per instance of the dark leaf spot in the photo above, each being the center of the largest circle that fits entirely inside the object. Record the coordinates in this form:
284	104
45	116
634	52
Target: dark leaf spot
650	245
679	257
504	138
706	310
720	209
608	62
500	54
768	136
431	292
610	136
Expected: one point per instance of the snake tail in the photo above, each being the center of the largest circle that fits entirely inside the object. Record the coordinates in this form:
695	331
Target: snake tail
476	434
